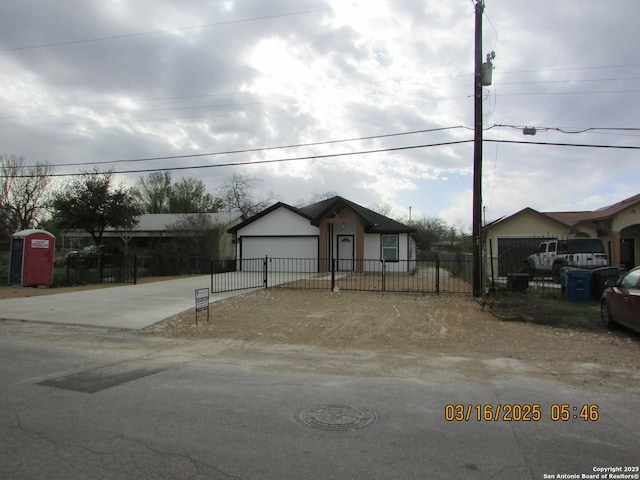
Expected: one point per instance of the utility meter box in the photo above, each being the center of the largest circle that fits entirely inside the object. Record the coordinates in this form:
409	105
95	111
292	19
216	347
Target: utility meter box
31	263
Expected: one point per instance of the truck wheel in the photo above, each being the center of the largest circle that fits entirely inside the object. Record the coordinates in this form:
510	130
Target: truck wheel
555	272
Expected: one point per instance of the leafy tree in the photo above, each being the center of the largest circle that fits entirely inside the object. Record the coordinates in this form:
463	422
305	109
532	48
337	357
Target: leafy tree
236	194
23	193
189	195
92	203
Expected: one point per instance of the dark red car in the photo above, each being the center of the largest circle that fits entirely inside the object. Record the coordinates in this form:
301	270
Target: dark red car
620	303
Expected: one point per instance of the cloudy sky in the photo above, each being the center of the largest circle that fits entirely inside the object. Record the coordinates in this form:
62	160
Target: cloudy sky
120	83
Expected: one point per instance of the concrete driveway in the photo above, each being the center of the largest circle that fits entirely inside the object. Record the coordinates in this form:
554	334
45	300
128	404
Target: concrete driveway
129	306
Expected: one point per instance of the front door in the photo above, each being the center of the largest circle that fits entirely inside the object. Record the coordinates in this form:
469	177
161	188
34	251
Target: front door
345	253
627	253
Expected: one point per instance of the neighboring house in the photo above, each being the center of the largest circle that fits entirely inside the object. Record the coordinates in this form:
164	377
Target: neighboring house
154	229
358	239
617	225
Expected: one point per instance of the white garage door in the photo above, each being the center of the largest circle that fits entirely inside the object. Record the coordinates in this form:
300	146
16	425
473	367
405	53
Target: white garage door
292	254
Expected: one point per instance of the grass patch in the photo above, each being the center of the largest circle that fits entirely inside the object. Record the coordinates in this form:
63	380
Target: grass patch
552	310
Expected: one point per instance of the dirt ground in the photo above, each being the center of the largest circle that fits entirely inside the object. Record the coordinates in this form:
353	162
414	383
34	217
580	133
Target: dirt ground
450	338
440	338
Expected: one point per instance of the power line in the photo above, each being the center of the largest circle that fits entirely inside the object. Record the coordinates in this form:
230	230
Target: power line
569	130
253	150
566	93
567	69
257	162
556	144
332	155
156	32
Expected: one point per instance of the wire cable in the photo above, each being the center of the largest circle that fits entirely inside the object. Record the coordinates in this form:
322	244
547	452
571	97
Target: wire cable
255	162
157	32
569	130
556	144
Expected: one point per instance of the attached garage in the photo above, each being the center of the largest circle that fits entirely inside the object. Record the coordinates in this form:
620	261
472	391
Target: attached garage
281	250
306	239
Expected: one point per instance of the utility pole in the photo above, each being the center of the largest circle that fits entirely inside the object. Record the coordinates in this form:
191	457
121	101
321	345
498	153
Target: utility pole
477	156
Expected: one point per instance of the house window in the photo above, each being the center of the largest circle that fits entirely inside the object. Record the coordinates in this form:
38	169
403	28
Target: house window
390	247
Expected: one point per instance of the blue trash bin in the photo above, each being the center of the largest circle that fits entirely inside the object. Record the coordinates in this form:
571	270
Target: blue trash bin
579	285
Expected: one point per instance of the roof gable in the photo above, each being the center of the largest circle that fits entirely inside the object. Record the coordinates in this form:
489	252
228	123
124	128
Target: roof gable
616	208
373	221
573	220
314	213
264	213
524	212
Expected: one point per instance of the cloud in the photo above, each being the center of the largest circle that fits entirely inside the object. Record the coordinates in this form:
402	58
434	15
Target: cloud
104	81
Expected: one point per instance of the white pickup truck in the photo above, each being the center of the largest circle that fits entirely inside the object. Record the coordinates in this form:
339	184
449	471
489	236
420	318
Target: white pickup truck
552	255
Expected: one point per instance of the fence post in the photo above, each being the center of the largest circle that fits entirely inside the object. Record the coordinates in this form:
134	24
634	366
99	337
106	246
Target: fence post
384	274
101	267
333	274
135	269
438	275
265	277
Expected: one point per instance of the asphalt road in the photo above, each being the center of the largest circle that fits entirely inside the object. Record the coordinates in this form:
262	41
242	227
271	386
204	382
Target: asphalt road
78	402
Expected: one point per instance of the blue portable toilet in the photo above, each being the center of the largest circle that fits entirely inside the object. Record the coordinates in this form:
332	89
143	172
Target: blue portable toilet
31	262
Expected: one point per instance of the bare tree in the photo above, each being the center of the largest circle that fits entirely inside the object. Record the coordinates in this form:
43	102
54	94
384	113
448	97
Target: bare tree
429	231
381	208
236	194
197	234
23	193
315	198
155	191
188	195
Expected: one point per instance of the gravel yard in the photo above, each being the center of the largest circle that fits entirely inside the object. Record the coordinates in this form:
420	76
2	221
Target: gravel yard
449	336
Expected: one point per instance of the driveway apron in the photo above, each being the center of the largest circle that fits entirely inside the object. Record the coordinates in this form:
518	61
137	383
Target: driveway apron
128	307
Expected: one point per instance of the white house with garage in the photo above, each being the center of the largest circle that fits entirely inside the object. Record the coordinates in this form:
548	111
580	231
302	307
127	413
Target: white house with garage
334	232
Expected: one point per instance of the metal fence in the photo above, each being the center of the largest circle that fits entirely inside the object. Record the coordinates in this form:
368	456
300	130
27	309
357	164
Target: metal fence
508	267
230	274
101	268
446	274
162	265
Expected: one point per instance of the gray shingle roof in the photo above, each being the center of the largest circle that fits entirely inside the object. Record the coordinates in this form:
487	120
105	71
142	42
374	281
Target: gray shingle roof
373	221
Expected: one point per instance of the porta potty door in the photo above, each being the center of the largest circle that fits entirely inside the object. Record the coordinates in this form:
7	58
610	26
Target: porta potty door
15	268
37	257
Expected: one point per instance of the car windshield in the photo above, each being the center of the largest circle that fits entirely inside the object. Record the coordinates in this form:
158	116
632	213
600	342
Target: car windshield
586	245
631	279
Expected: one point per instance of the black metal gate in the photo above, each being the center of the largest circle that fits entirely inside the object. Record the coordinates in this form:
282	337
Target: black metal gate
102	268
449	274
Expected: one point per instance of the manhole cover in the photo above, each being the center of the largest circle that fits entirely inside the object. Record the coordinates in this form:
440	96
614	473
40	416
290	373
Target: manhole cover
336	417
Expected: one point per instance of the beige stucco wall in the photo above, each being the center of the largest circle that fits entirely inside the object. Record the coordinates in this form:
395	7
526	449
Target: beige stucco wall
626	218
526	224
